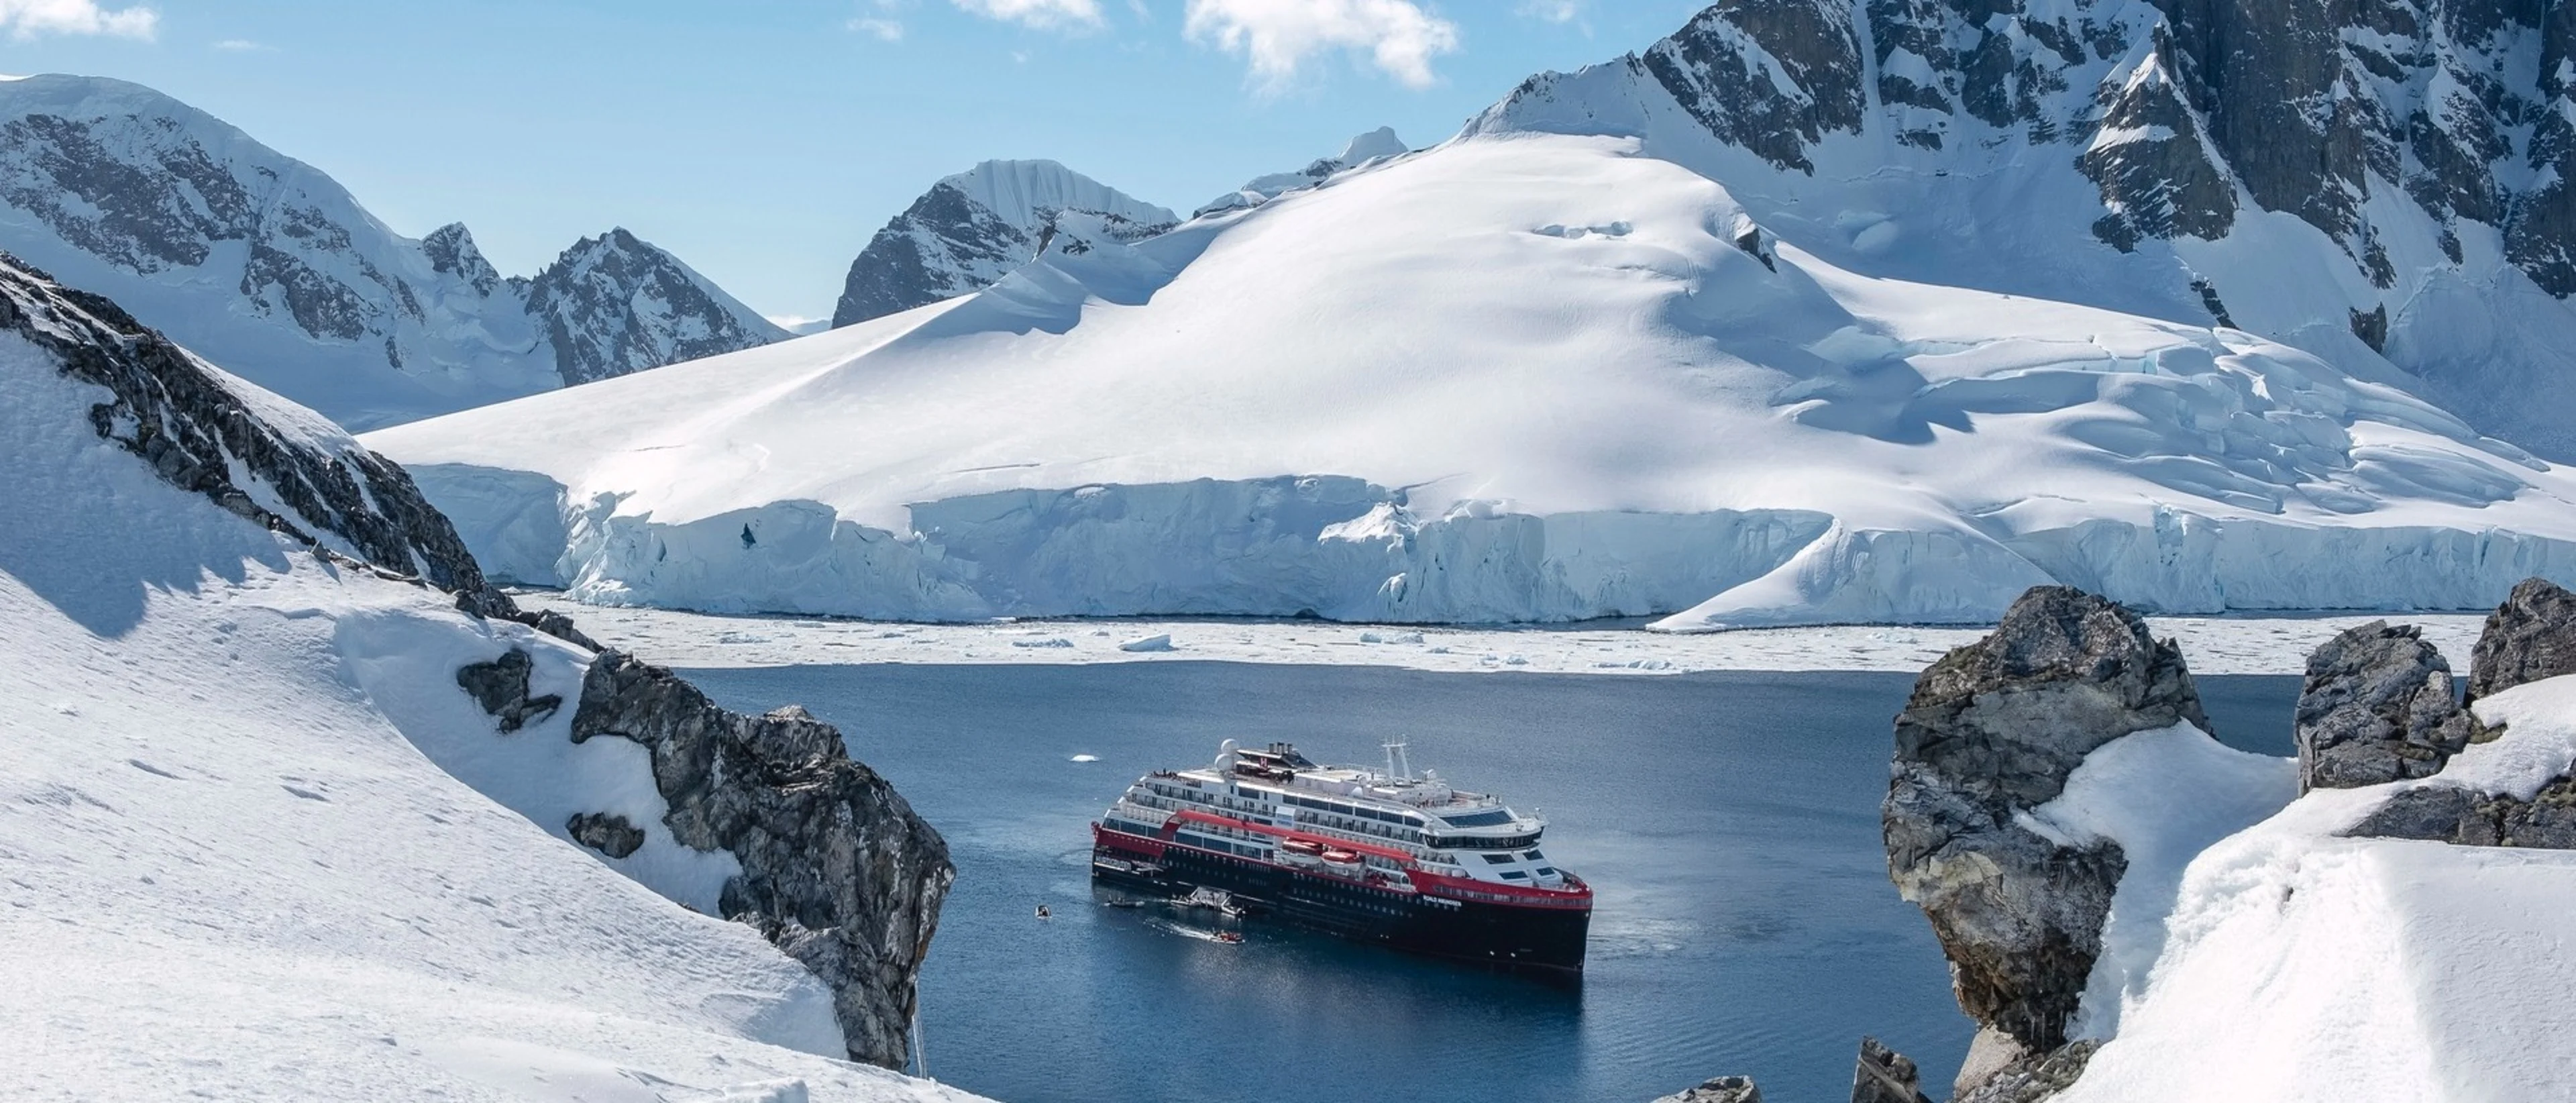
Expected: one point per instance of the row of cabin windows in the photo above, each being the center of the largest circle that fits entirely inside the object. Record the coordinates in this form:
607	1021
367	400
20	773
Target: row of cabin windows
1408	819
1129	826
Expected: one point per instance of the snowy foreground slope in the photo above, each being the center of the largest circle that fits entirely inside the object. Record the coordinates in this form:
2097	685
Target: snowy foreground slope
265	264
1514	377
255	840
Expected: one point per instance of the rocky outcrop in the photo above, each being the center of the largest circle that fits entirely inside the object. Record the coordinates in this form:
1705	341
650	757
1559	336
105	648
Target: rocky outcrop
307	482
501	687
836	869
1885	1076
1993	730
2377	707
1724	1089
605	832
2530	637
2028	1078
612	305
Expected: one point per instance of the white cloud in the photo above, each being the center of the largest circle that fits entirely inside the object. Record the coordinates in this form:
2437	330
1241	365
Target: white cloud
885	30
1043	14
29	18
1552	11
1277	36
243	45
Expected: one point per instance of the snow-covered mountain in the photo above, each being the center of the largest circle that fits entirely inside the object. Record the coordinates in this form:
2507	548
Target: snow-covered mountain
2355	181
1517	376
295	806
973	228
1361	150
262	262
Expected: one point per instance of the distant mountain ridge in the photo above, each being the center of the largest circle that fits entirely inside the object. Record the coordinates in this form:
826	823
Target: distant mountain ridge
1361	150
975	227
266	265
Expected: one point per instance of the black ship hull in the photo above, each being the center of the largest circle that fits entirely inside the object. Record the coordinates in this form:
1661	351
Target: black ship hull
1540	940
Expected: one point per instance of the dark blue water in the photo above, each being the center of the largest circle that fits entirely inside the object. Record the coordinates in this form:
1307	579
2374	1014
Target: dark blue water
1728	822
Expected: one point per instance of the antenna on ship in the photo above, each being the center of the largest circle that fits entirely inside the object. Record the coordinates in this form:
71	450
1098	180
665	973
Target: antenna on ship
1399	766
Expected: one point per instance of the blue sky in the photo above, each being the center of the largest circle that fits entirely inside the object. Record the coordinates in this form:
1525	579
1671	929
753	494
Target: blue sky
763	141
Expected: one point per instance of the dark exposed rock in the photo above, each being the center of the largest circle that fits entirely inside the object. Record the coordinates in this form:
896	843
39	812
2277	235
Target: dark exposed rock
2377	707
1994	729
2372	325
1885	1076
167	408
2530	637
501	687
605	832
2450	814
836	869
2033	1078
2159	182
1710	71
1723	1089
614	305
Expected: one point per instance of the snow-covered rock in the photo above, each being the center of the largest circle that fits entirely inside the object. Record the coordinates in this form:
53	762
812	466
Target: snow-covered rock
1516	377
972	229
270	745
1361	150
264	263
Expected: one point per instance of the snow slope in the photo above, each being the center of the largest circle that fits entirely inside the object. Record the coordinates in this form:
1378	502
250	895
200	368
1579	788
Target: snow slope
263	262
1515	377
1360	150
255	843
2298	965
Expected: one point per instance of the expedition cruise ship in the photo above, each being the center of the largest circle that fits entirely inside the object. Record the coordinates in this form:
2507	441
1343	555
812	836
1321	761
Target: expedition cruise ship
1382	857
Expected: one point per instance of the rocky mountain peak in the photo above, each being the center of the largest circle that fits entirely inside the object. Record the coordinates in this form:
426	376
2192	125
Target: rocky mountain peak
971	229
613	302
451	252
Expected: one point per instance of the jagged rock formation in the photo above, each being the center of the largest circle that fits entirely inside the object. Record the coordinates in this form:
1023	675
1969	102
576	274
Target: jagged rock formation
501	687
1375	145
836	868
837	871
607	833
266	265
2376	707
2530	637
1723	1089
184	417
613	303
976	227
1993	729
1883	1075
2429	145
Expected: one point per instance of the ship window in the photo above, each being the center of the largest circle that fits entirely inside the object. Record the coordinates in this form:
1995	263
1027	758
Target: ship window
1498	859
1515	875
1479	819
1535	856
1547	871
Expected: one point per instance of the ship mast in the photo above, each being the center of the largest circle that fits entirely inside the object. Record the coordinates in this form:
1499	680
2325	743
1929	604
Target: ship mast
1399	766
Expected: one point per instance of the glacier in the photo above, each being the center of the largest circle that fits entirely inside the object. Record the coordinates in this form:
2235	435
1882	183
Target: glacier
1521	376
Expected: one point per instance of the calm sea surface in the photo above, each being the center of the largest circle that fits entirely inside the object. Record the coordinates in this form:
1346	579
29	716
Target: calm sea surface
1727	821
